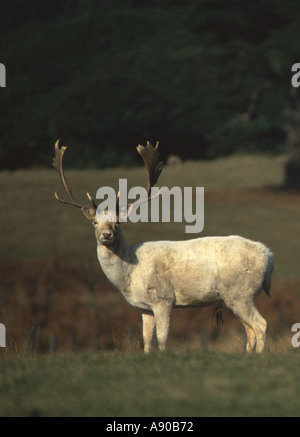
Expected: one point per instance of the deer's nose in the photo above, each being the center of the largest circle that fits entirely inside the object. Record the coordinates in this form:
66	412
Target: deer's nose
107	235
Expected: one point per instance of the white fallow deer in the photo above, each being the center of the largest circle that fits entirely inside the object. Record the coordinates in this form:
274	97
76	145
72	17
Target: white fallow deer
159	276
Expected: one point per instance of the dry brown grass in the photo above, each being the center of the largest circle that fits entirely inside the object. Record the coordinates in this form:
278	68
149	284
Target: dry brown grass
55	306
53	295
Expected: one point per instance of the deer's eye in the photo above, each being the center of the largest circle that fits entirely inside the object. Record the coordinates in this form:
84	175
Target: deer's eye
95	223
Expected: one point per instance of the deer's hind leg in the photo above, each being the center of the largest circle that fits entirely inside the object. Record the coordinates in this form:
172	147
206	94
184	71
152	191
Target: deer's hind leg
260	329
254	323
251	338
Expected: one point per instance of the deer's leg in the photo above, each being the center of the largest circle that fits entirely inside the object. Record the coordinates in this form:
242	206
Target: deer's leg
260	329
162	314
148	329
246	311
251	338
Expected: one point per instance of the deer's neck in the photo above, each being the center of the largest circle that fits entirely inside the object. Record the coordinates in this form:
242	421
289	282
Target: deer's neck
117	261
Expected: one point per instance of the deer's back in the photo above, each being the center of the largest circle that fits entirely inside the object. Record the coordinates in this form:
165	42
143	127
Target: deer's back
198	271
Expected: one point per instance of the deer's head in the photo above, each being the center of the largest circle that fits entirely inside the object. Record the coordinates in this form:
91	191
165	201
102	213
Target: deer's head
106	223
107	228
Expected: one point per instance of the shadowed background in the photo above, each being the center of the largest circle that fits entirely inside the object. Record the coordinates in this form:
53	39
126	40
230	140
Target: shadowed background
204	79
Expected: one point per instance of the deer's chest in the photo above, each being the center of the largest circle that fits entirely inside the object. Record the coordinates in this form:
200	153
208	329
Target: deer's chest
135	299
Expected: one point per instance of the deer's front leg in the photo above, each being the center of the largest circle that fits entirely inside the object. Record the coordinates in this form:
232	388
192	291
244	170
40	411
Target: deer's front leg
148	329
162	314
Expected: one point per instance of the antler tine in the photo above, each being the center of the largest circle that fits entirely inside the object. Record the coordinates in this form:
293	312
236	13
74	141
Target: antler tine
154	166
58	165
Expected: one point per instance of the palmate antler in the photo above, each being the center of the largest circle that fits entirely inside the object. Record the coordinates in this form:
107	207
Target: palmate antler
58	164
152	163
150	156
154	166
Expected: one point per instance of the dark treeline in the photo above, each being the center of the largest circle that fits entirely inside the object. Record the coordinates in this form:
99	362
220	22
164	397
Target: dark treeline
205	78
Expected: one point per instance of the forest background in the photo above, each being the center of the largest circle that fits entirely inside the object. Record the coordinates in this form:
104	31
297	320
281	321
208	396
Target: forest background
205	78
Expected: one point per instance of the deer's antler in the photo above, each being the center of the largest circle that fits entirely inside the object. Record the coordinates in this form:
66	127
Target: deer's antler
58	164
154	166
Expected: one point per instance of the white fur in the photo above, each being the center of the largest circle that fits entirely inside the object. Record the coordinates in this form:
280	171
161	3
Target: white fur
159	276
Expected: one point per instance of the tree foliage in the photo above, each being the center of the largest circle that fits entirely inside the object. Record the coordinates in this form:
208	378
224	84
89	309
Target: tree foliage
206	78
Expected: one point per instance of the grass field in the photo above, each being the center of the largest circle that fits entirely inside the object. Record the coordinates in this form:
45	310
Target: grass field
73	344
170	384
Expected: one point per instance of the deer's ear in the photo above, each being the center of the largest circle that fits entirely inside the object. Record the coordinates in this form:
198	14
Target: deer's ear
89	212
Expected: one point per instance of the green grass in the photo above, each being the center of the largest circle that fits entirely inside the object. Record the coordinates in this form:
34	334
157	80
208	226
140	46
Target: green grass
160	384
